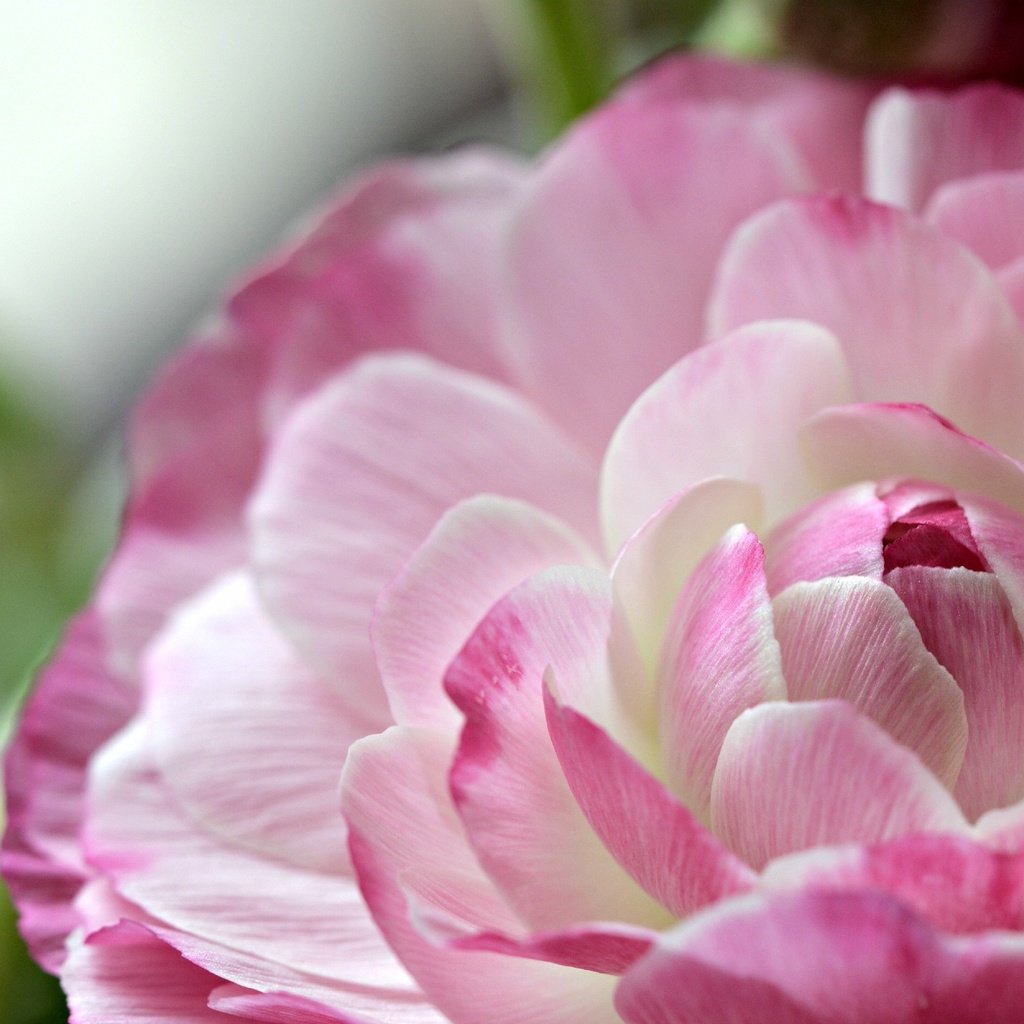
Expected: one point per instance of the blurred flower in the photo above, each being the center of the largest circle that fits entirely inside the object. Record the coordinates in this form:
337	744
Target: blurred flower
638	536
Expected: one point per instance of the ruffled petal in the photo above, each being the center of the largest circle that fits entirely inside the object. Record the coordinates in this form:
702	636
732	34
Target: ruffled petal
479	550
732	409
720	657
361	473
687	868
794	776
920	319
407	840
519	814
852	639
811	957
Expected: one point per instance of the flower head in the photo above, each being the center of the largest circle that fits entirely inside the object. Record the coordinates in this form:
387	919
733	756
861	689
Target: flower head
639	537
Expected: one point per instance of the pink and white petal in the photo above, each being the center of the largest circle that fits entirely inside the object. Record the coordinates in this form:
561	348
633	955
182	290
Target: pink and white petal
76	706
852	639
612	254
720	657
840	534
652	566
406	257
919	317
812	957
285	915
360	474
124	973
794	776
248	741
280	1008
985	213
406	838
919	141
967	622
480	549
1011	281
959	885
519	814
997	532
871	442
732	409
687	868
819	116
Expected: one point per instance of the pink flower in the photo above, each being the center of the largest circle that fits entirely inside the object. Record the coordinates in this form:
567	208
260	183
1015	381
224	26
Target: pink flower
658	606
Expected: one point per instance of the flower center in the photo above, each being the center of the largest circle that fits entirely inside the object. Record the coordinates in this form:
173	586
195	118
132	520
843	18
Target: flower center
934	533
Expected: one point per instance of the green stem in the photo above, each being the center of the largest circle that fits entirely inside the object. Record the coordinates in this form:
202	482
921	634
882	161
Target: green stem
573	43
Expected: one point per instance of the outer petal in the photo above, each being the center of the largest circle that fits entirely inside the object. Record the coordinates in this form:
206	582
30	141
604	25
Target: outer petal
406	257
362	472
731	408
222	896
985	213
686	868
793	776
248	741
917	141
394	783
720	657
870	442
479	550
124	974
920	319
519	814
852	638
654	563
613	252
77	705
958	885
811	957
821	117
967	623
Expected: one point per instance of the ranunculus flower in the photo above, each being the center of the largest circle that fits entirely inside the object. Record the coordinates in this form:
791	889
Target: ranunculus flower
658	606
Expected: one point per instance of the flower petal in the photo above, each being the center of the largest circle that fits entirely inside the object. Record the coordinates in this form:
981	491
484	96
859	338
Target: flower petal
985	213
687	867
871	442
917	141
519	814
361	473
479	550
811	957
77	705
656	561
720	657
248	741
614	244
920	318
397	782
852	638
793	776
731	409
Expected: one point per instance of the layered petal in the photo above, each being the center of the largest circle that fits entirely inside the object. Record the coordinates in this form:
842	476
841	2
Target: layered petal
720	657
794	776
809	957
407	839
731	408
852	639
917	141
612	253
480	549
362	472
920	319
519	814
